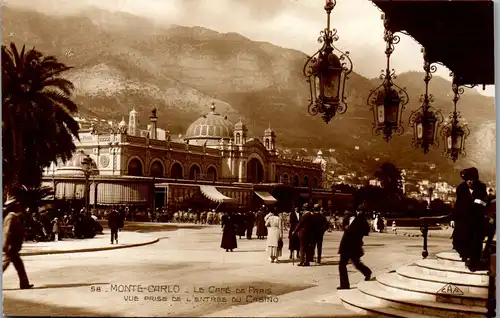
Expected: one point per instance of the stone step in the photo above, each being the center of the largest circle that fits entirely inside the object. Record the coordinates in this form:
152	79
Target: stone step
395	283
362	303
450	259
432	268
451	256
417	303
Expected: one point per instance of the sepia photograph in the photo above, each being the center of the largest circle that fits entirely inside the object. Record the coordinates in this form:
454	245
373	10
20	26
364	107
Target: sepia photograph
248	158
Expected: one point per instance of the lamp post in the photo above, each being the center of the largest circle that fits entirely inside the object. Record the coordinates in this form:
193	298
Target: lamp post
87	169
387	101
426	120
327	73
95	132
455	130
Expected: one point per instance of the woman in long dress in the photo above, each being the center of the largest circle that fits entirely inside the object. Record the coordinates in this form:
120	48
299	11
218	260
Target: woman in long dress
228	233
261	225
274	225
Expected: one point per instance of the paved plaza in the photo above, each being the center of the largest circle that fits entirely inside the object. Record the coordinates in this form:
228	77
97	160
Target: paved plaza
185	273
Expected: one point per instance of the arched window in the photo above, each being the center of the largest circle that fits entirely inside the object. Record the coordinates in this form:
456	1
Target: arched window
135	168
284	179
211	174
238	138
306	181
267	143
157	169
194	172
315	183
176	171
296	181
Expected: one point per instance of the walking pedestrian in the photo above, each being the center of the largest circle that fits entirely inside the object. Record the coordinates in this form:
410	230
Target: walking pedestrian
55	229
304	230
250	221
13	237
261	224
274	224
351	248
293	239
469	214
228	241
114	223
320	225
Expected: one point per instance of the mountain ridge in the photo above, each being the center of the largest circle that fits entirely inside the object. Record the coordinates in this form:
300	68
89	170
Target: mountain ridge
181	70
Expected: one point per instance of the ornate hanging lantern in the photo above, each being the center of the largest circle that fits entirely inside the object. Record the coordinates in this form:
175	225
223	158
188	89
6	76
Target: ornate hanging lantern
327	73
387	101
426	120
455	130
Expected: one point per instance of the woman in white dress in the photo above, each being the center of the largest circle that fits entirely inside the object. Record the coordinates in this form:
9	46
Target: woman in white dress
274	225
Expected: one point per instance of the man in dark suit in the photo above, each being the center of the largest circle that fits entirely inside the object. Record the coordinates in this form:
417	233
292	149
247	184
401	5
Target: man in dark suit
13	237
351	248
294	240
304	230
115	222
320	227
469	216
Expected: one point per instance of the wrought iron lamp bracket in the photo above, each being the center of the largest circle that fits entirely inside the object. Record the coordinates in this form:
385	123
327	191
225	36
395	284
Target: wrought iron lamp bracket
388	88
426	114
312	69
455	125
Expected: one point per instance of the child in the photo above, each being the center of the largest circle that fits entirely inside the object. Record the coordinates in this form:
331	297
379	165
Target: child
55	229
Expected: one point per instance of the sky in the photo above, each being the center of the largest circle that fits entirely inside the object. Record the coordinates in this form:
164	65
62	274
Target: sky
288	23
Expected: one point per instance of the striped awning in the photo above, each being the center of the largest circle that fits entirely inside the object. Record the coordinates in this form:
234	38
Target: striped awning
70	191
119	193
266	197
211	192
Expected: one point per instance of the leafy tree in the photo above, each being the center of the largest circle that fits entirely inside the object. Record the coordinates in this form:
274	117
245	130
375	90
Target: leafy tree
390	178
37	123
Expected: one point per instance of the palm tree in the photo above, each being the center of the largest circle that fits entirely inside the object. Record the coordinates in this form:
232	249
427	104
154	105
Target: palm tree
33	198
37	123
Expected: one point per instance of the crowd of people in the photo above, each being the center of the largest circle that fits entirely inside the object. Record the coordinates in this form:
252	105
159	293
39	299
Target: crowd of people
305	236
473	219
54	225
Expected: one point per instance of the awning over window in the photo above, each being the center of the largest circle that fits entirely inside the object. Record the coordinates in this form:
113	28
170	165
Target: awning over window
266	197
211	192
119	193
70	191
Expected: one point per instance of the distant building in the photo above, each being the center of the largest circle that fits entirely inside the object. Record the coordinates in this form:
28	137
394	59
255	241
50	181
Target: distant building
131	163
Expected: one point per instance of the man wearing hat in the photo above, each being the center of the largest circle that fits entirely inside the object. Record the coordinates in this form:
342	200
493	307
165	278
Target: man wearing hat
304	230
13	237
351	247
468	216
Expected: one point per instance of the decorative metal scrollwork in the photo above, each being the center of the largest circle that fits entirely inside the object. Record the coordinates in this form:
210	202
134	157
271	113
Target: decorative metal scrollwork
387	101
455	130
426	120
327	74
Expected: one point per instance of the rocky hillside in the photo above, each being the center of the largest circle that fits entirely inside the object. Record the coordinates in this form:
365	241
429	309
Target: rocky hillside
123	61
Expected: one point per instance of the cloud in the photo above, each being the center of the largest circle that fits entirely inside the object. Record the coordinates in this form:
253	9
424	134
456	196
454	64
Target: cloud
288	23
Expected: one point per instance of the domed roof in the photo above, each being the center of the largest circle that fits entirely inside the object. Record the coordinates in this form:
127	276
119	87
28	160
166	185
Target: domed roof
269	131
122	123
210	126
